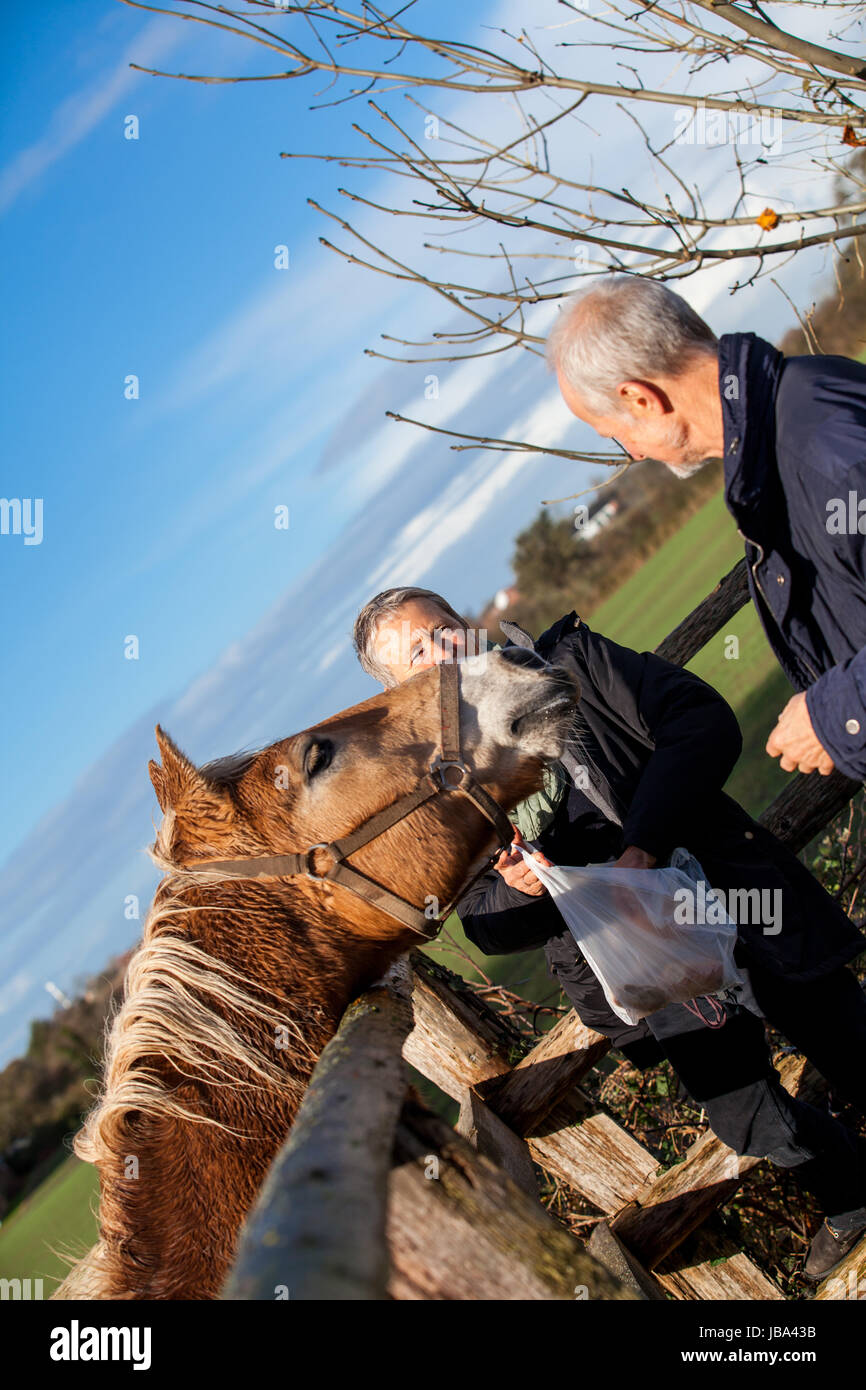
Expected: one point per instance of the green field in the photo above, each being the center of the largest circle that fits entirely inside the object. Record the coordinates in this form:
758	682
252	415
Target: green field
639	614
57	1219
665	589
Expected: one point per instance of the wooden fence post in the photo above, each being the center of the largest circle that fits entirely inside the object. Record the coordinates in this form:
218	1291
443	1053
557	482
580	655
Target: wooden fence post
459	1228
317	1229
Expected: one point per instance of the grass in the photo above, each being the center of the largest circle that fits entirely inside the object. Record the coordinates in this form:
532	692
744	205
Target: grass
57	1217
650	604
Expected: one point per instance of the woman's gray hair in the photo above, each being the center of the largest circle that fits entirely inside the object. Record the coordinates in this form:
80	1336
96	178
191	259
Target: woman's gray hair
384	605
624	328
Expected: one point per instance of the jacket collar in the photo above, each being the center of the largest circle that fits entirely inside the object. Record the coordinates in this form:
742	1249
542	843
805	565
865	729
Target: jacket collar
549	639
749	371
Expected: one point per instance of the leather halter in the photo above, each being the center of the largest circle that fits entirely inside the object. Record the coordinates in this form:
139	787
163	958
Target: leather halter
448	761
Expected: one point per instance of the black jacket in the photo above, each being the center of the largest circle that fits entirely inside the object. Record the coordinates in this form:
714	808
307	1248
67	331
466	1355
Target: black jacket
795	479
659	743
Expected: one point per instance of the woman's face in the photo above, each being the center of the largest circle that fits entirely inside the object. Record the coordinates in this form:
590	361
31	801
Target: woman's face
418	635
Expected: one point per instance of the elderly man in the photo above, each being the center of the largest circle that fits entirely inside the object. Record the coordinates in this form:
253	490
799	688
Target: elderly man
638	364
652	747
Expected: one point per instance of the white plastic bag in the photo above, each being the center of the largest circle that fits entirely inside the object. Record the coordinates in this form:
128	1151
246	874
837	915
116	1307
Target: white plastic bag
638	936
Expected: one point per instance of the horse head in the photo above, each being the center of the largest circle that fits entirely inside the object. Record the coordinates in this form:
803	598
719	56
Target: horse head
241	976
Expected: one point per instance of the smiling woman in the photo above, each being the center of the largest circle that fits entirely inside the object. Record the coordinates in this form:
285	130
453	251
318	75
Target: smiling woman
406	629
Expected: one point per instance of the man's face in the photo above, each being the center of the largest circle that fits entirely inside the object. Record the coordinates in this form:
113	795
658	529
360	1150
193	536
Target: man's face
418	635
648	425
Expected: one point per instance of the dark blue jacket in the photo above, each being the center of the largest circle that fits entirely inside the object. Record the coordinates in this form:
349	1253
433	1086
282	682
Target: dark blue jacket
795	476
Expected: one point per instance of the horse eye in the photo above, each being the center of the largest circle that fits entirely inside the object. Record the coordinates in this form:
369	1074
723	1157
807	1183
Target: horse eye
317	757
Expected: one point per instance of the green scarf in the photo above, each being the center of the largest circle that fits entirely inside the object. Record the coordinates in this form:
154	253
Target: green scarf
534	815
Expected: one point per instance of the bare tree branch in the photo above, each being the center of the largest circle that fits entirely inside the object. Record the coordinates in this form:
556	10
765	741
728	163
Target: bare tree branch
553	229
759	27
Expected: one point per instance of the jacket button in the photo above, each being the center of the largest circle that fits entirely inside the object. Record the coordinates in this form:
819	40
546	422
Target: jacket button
780	579
750	834
852	726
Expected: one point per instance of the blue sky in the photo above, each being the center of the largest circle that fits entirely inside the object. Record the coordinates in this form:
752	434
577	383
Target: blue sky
155	257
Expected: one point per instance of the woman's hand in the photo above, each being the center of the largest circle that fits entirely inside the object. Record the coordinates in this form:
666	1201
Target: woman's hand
516	871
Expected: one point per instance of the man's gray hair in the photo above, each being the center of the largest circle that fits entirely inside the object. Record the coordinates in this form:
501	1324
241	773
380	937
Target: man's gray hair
384	605
624	328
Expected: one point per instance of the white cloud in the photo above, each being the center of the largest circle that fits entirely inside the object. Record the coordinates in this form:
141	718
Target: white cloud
254	344
74	119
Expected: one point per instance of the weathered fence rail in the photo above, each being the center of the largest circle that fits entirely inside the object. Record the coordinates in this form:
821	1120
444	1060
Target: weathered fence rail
807	804
318	1229
372	1196
375	1197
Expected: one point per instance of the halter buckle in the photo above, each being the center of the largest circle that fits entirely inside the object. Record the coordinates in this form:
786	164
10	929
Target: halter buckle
309	870
440	767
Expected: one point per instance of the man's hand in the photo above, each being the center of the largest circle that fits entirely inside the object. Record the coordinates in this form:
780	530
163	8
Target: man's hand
794	741
516	872
634	858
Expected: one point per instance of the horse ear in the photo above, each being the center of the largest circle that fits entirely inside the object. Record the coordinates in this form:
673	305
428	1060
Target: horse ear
177	778
158	781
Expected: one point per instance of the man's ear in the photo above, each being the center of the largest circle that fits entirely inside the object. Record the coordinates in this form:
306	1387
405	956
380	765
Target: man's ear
177	779
642	398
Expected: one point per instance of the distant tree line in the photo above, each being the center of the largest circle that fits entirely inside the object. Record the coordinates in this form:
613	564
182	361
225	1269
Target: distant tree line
555	570
45	1093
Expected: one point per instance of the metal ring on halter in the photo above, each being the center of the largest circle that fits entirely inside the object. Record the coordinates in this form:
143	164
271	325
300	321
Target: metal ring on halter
440	766
308	861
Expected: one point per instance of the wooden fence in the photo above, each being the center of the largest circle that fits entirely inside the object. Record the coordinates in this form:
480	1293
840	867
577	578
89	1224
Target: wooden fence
375	1197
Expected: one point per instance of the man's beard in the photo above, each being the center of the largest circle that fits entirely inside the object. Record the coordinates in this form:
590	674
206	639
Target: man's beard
692	462
685	470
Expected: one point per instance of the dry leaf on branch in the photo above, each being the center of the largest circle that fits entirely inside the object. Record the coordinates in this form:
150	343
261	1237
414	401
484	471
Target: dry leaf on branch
768	219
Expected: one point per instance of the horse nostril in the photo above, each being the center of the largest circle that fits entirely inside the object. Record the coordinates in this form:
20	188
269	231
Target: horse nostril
523	656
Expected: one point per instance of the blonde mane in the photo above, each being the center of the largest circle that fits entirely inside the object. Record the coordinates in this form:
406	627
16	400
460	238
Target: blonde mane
195	1012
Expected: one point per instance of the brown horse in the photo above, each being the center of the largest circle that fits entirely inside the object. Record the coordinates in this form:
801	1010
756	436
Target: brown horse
238	983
